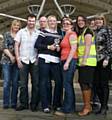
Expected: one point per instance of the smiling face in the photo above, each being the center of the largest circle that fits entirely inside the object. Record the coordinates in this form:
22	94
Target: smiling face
16	24
43	22
81	22
67	25
31	22
52	22
99	22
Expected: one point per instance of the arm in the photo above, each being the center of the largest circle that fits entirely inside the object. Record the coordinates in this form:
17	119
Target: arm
88	41
17	45
6	49
73	43
39	44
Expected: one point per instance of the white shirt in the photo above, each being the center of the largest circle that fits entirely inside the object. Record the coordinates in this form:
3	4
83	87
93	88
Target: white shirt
27	41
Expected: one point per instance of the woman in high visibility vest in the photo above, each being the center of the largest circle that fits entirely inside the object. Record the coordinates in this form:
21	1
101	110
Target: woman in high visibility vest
86	61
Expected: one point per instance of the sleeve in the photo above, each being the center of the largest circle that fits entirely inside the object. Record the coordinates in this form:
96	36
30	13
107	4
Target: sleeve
88	31
18	36
73	38
108	38
5	42
39	44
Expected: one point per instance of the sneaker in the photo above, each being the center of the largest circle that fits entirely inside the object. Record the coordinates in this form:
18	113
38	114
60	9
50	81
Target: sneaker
46	110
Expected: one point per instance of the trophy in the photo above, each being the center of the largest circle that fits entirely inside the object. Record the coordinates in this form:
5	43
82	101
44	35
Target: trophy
56	42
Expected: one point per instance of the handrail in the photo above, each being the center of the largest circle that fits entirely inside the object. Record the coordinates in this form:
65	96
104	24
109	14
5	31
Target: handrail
59	8
14	17
41	8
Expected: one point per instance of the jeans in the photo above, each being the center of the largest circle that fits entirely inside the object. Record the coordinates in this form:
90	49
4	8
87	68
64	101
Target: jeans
31	68
69	95
46	72
10	85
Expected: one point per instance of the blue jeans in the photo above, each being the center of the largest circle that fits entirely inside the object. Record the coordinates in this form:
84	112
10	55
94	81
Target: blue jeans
32	69
10	85
46	72
69	95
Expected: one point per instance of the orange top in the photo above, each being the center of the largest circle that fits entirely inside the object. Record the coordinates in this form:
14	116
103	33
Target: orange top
66	46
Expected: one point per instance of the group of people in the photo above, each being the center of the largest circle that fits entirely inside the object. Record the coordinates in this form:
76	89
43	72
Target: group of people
51	54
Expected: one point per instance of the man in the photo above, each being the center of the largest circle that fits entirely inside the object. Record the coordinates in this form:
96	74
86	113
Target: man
43	23
26	57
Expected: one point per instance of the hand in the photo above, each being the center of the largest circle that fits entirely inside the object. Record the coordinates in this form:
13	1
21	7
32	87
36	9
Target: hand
13	59
52	47
58	48
105	63
20	65
83	63
66	66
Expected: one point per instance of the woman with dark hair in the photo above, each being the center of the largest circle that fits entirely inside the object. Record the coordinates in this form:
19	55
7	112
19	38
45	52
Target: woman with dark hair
86	61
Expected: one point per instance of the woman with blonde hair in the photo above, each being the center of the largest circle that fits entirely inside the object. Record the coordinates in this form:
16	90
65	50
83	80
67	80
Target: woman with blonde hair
9	67
49	65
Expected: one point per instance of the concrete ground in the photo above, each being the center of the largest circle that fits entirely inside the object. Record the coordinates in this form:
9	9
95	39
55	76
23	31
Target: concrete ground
11	114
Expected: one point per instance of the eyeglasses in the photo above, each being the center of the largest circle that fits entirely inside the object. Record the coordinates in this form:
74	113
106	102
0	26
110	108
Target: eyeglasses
66	23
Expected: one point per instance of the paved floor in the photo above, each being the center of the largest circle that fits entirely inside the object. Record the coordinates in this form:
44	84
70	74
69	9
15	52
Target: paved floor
11	114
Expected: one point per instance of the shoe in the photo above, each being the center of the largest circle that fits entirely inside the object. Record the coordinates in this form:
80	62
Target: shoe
46	110
5	107
101	112
33	108
85	112
20	108
59	113
13	106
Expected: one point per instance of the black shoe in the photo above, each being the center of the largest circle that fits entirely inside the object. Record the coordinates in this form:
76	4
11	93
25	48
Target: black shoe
102	111
21	108
5	107
33	108
13	106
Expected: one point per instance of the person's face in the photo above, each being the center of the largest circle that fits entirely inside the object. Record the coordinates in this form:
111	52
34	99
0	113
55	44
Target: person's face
52	23
31	22
93	25
67	25
43	22
16	27
99	22
81	22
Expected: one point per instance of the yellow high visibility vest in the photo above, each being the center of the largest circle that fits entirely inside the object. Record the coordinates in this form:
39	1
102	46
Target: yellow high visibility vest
91	59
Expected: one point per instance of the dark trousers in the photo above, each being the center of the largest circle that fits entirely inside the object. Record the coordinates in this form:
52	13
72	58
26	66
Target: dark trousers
24	77
46	72
101	82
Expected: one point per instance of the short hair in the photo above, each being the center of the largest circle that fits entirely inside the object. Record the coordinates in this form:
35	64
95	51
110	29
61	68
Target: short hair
31	15
68	19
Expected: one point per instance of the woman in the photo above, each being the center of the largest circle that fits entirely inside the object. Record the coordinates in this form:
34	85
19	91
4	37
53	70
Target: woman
9	66
87	61
102	72
49	65
68	48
